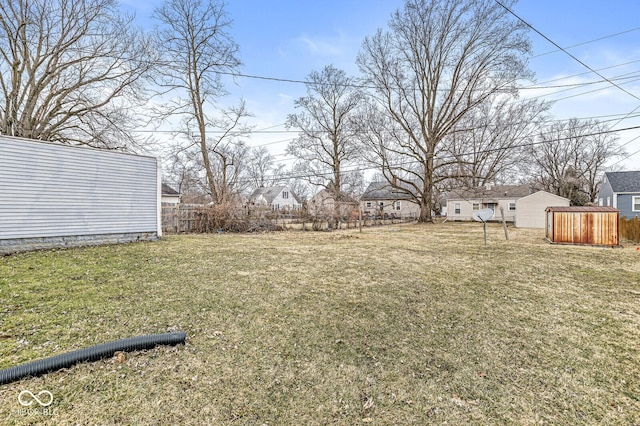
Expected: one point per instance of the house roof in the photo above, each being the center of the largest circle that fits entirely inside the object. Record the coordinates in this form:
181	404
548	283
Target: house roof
581	209
167	190
384	191
493	193
624	181
271	192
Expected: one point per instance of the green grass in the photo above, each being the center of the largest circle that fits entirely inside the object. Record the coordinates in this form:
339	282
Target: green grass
394	325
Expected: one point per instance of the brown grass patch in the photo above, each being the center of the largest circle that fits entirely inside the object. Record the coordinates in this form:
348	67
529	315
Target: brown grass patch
392	325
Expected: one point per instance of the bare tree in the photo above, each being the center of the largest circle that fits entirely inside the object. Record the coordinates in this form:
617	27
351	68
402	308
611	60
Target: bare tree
327	140
226	157
71	71
300	187
262	169
569	157
487	144
180	169
229	167
194	36
439	61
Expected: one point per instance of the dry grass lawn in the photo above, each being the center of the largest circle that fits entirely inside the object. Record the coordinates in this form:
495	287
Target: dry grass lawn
394	325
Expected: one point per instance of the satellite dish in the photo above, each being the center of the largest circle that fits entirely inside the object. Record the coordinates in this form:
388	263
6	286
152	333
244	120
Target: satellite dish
483	215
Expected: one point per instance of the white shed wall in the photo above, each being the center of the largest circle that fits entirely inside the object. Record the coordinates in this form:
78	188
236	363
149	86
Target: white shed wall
51	190
531	209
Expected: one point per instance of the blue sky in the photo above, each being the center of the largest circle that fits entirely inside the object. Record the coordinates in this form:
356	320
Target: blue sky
289	39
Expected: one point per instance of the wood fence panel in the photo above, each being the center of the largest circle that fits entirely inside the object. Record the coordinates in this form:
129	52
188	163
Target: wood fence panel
630	229
179	218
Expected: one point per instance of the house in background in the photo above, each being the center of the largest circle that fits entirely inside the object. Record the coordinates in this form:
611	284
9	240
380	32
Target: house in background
462	203
531	209
382	199
169	195
621	190
277	197
323	204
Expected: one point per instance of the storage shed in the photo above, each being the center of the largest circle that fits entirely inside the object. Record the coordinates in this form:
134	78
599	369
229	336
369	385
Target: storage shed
583	225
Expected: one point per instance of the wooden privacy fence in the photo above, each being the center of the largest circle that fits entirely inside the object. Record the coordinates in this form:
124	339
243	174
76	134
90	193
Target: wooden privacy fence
179	218
630	228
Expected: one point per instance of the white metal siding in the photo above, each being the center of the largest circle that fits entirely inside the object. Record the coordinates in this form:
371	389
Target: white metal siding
530	210
50	190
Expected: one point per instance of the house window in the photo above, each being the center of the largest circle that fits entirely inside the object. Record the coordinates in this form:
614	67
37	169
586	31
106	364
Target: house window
635	204
476	206
397	205
600	202
512	207
457	208
285	194
368	204
608	201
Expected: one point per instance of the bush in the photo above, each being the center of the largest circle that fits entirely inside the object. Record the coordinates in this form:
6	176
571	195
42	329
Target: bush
221	217
230	217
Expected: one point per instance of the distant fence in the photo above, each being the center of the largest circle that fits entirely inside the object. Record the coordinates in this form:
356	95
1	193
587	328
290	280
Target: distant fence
630	228
179	218
197	218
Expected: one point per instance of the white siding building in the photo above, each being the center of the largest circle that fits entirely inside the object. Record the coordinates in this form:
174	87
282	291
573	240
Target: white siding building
531	209
462	204
278	197
54	195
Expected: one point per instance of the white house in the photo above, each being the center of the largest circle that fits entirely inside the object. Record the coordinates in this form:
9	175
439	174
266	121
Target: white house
169	195
278	197
531	209
462	203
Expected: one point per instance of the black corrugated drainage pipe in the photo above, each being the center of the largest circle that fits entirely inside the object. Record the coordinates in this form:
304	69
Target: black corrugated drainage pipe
92	353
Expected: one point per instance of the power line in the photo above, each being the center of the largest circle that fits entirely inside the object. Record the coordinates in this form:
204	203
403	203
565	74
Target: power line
362	168
609	117
588	42
565	51
589	72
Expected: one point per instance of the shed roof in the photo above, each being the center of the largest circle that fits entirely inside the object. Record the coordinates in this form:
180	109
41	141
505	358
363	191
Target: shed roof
592	209
624	181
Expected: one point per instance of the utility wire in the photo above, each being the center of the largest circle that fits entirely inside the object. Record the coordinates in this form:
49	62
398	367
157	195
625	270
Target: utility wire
587	42
362	168
610	117
565	51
